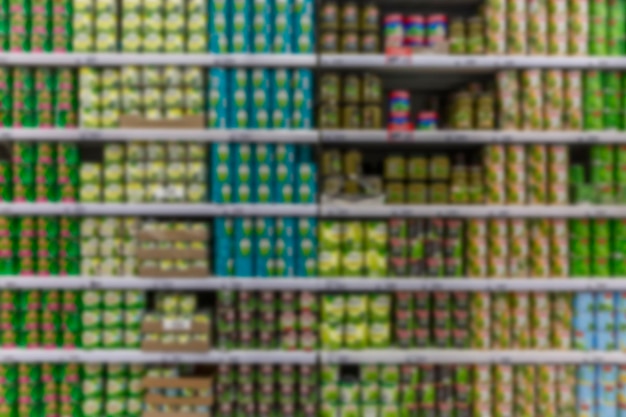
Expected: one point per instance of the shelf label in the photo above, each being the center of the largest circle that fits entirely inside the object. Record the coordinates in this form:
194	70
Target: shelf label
448	213
456	138
6	135
240	137
89	135
385	286
334	285
225	61
87	60
401	212
401	133
94	284
398	56
333	137
504	360
176	324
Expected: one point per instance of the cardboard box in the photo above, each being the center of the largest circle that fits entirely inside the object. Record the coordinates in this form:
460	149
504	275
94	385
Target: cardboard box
185	235
193	346
132	121
180	254
197	383
148	272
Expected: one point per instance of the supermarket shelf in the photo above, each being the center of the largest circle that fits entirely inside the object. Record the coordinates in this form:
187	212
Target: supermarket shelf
338	284
138	356
381	356
470	137
191	135
157	209
461	356
472	211
466	63
121	59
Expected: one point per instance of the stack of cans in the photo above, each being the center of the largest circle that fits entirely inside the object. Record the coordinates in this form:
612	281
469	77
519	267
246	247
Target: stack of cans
122	396
95	24
266	389
516	24
99	94
108	246
24	324
111	319
537	27
494	163
572	104
558	27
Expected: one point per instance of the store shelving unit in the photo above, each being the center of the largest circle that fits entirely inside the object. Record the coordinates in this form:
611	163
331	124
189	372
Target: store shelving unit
189	135
74	59
381	356
310	210
315	284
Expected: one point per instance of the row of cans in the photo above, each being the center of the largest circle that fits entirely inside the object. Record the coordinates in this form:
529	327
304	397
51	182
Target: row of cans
266	390
37	26
355	321
286	320
520	320
517	248
554	27
41	97
39	246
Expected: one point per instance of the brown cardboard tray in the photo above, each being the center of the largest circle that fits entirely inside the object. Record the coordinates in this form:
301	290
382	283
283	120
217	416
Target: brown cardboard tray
178	254
132	121
168	235
179	382
170	414
193	346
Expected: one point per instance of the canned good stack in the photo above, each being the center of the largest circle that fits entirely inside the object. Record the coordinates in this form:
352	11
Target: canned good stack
288	320
359	96
36	26
263	174
163	26
44	389
388	389
238	26
606	172
156	93
267	389
431	320
41	172
425	248
39	319
355	321
170	249
175	389
141	172
352	249
108	246
41	97
416	31
39	246
114	390
95	24
111	319
176	325
265	247
349	29
261	98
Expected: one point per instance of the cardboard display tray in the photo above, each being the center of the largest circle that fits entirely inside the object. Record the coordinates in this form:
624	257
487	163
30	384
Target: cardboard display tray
180	254
168	235
177	382
169	414
193	346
